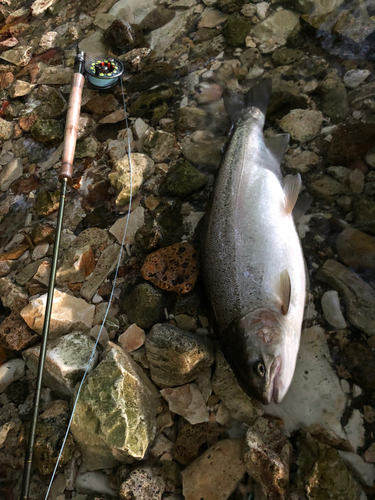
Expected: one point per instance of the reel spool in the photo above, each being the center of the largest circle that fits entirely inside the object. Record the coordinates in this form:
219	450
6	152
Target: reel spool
103	73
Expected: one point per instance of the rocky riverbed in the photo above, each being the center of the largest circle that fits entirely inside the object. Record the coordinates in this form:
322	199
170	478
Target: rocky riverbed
160	414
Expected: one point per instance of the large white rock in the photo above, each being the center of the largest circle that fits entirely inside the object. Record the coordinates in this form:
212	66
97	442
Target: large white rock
10	371
315	395
68	313
363	471
66	361
132	11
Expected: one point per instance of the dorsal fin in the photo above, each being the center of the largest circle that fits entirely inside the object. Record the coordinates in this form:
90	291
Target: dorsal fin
292	187
277	145
283	291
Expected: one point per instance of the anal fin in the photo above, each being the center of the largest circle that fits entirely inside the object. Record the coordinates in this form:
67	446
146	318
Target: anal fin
283	291
292	187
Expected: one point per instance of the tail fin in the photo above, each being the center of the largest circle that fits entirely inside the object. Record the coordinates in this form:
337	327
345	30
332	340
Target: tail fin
236	103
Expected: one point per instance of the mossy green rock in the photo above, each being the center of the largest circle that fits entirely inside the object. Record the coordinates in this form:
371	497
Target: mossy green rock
46	102
50	431
144	306
48	131
236	30
231	5
153	104
115	418
164	226
47	202
176	357
88	147
182	180
322	473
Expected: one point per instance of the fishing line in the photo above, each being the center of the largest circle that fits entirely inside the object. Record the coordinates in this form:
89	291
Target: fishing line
109	303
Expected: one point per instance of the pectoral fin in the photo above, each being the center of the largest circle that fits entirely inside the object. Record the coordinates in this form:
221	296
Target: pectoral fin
283	290
292	187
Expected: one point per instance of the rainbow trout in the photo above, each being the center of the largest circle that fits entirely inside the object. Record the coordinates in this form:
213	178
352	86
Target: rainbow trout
253	265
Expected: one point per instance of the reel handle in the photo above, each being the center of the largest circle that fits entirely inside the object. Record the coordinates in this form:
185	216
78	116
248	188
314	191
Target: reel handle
71	127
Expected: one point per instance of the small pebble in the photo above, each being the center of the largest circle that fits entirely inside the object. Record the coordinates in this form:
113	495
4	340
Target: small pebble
354	77
40	251
331	309
10	371
133	338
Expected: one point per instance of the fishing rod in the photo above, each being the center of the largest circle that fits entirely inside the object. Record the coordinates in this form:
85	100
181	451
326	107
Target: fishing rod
101	73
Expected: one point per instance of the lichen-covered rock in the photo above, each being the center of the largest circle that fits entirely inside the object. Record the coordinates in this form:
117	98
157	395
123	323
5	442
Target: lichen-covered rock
159	145
142	168
76	265
225	386
19	56
144	306
46	102
144	483
267	456
163	227
67	313
182	180
153	103
216	473
115	415
87	148
47	202
334	98
11	292
202	151
322	473
173	268
50	432
66	361
47	130
176	357
94	236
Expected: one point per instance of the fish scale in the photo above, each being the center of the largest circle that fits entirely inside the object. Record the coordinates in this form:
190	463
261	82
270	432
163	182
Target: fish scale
250	244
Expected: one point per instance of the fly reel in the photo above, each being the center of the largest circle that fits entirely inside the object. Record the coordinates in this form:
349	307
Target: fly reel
103	73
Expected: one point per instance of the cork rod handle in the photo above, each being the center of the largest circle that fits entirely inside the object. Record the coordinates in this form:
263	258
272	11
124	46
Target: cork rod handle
71	127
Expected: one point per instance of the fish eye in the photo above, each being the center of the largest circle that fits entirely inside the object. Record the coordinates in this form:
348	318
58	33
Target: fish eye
259	369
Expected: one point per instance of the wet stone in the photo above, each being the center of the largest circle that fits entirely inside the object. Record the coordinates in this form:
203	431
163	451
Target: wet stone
163	227
46	102
359	360
19	56
176	357
334	98
182	180
350	142
122	35
173	268
49	434
325	187
136	221
11	293
10	372
88	147
94	237
364	214
21	88
115	415
133	338
215	474
202	152
56	76
144	483
236	30
101	105
279	24
210	48
144	305
356	249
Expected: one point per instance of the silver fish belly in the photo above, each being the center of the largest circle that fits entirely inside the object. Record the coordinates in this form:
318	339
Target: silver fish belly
253	265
